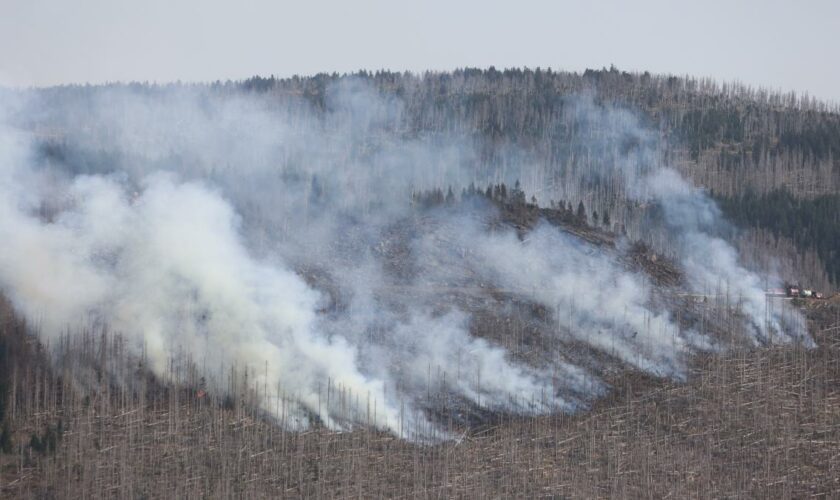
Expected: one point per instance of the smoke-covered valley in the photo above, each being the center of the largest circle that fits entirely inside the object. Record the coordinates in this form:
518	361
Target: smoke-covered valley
317	247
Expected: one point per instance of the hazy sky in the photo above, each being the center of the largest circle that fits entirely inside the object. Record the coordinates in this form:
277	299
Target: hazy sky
782	45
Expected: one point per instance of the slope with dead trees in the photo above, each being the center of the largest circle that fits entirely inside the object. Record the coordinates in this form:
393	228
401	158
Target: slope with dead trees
746	423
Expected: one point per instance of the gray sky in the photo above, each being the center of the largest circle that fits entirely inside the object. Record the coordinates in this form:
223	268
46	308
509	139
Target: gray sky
781	45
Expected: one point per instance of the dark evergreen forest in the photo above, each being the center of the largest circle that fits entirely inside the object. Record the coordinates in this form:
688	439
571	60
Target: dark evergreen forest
809	223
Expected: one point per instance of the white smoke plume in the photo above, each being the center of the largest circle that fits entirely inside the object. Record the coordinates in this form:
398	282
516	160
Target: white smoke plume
262	232
693	224
148	248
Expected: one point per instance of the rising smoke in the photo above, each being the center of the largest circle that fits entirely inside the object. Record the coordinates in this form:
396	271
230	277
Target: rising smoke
266	232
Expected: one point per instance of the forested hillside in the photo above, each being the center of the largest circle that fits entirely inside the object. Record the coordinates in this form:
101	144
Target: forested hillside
725	136
771	159
476	283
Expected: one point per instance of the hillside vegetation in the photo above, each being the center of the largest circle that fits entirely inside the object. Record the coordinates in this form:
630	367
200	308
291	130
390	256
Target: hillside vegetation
779	150
746	423
480	283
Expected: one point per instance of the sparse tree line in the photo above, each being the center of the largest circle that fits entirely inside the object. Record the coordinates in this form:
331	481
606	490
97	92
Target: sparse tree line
513	200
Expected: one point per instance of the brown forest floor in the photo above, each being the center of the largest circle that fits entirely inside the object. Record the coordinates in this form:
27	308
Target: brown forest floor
762	422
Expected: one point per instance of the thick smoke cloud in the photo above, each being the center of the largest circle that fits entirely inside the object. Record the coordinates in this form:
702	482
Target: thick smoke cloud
692	223
266	233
